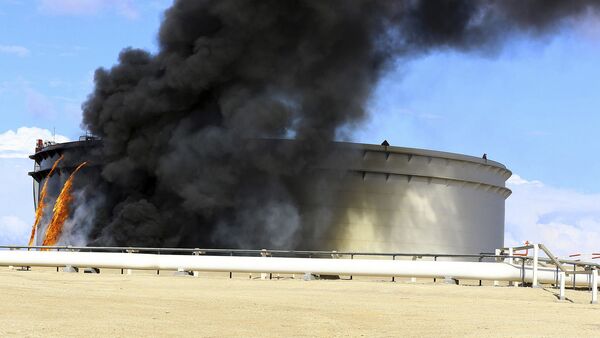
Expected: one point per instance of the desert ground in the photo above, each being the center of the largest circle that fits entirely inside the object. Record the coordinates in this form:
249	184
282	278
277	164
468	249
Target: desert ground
45	303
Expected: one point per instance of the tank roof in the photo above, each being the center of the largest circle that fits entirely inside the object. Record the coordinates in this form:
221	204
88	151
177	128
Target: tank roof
57	147
364	146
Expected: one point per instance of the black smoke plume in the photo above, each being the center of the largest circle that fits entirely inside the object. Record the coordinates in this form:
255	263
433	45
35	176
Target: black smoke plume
184	129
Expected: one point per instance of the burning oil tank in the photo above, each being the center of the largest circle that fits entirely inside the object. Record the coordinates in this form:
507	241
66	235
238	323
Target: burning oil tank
67	157
376	198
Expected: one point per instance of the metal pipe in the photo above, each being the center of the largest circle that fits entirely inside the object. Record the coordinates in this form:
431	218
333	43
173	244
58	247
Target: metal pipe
364	267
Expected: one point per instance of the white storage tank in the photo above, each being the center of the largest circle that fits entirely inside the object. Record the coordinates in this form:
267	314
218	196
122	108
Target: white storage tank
360	198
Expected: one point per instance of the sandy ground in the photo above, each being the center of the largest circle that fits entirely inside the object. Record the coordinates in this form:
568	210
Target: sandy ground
47	303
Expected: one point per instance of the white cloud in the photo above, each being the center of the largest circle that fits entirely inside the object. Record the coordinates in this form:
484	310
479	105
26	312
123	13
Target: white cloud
123	8
518	180
15	50
566	221
13	231
21	143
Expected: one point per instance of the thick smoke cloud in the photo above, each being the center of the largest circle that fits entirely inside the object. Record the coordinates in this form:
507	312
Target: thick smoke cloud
184	129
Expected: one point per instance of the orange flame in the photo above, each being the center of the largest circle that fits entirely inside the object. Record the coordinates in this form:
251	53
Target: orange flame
60	212
39	213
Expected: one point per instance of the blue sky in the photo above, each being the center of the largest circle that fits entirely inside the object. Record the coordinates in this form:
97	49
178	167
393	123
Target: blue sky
532	105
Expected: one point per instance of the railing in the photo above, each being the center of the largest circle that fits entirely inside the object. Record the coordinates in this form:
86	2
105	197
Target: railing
246	252
586	268
559	263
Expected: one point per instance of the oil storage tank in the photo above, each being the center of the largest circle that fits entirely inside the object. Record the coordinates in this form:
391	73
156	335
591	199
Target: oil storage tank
365	198
67	156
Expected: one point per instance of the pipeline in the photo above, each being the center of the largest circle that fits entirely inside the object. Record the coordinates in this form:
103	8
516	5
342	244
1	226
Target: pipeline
357	267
